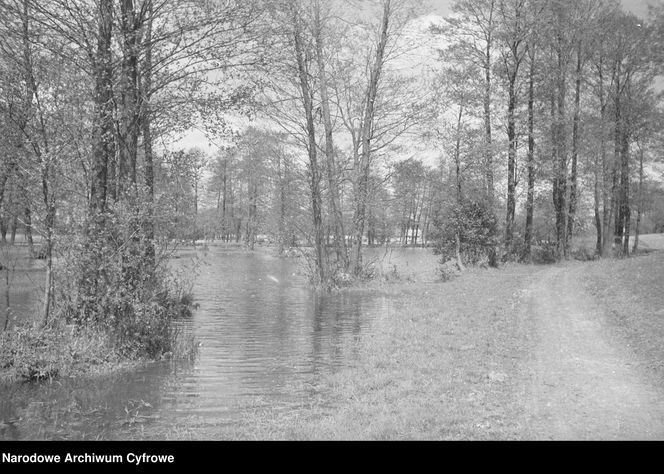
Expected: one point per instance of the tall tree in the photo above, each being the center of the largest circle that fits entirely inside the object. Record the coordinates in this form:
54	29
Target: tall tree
473	32
513	36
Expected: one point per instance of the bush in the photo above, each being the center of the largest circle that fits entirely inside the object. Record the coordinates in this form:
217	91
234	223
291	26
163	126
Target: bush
584	254
336	276
546	253
448	270
31	352
475	224
121	284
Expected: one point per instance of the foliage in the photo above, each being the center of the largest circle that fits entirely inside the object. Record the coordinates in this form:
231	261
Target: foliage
337	277
120	288
32	352
476	226
448	270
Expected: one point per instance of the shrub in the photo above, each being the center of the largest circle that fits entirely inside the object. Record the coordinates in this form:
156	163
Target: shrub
336	275
545	253
31	352
448	270
476	226
122	284
584	254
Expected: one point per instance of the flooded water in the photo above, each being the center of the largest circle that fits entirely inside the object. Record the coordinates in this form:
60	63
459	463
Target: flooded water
266	339
23	285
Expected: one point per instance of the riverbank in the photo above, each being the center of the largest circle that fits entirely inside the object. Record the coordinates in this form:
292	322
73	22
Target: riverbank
494	354
442	365
520	352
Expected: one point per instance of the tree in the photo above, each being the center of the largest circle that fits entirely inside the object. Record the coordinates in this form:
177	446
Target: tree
513	35
472	31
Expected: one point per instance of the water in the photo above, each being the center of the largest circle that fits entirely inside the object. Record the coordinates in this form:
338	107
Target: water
26	285
266	341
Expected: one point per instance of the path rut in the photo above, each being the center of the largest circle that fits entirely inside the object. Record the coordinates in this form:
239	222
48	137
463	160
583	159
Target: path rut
581	382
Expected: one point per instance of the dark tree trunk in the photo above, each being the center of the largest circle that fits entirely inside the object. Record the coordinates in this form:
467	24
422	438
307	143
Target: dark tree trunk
617	205
624	191
530	201
28	231
596	207
457	155
602	223
362	188
146	126
488	140
560	156
639	210
129	125
312	147
12	230
330	161
511	161
575	146
103	130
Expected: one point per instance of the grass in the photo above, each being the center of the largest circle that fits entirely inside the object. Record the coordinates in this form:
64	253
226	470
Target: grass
651	242
443	364
646	242
30	352
632	293
449	361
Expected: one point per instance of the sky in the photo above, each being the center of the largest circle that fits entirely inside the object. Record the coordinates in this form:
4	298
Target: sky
638	7
196	138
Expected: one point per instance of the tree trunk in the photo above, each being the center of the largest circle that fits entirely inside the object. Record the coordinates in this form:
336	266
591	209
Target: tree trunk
605	236
129	126
282	204
224	225
457	155
103	129
366	137
457	239
315	179
624	190
596	207
511	161
146	126
617	206
28	231
530	201
335	206
488	140
639	210
12	230
560	156
48	238
575	146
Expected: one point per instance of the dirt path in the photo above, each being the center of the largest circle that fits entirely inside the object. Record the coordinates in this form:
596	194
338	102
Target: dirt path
580	382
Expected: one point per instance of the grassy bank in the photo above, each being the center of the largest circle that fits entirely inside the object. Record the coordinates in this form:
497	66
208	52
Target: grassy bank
442	364
124	319
449	360
32	353
632	293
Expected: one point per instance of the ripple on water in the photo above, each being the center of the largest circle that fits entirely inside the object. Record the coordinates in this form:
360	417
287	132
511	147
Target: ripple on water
266	338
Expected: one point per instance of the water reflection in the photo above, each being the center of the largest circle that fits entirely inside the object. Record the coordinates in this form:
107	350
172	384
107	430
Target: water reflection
26	283
265	336
96	408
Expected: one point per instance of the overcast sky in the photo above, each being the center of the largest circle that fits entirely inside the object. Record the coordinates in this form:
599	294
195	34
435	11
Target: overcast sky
441	7
638	7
